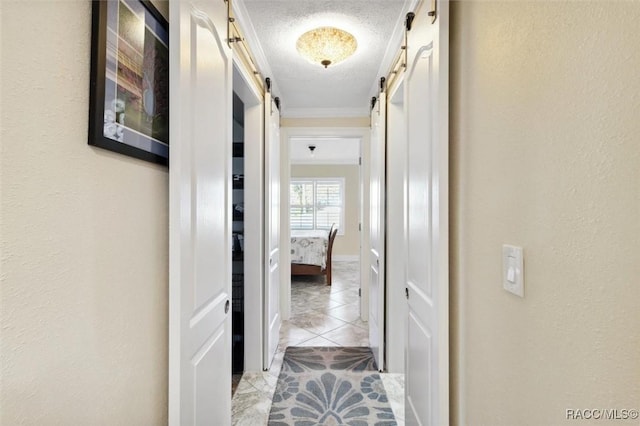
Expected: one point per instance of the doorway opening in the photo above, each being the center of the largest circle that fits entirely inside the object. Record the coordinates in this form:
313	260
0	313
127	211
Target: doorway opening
245	216
324	224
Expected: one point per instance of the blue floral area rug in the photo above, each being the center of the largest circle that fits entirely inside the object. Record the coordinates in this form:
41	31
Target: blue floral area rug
330	386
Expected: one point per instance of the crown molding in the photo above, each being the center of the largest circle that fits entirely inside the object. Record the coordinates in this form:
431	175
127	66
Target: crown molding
325	112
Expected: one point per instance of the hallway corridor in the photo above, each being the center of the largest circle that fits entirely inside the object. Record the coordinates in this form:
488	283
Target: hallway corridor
321	315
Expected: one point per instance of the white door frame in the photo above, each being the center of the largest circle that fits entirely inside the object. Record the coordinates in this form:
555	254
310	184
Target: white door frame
253	99
286	134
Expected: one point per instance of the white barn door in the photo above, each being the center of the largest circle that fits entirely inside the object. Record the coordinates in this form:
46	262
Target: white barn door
272	229
200	215
377	231
427	286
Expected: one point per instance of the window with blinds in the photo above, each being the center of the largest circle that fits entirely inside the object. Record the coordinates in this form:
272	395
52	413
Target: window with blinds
316	203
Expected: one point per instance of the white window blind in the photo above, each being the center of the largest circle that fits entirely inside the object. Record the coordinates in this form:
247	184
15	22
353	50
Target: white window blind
316	203
301	202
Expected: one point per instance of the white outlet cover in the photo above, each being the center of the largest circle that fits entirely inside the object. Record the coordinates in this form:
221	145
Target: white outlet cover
513	269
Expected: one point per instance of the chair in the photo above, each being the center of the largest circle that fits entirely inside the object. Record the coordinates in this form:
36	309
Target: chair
332	236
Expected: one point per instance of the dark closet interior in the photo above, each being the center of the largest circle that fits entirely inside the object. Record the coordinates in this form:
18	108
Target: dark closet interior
238	238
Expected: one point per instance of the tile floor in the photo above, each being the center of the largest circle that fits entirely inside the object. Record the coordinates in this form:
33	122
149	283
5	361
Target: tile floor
321	315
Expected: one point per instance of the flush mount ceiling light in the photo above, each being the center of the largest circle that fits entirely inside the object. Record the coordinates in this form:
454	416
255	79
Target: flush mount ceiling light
326	45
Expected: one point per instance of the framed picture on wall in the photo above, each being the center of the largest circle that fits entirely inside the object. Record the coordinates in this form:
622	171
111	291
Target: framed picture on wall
129	93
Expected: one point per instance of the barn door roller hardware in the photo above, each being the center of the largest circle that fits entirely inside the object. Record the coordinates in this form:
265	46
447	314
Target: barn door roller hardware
409	20
433	9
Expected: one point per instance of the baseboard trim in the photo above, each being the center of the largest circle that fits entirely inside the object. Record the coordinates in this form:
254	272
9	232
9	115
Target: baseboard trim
345	258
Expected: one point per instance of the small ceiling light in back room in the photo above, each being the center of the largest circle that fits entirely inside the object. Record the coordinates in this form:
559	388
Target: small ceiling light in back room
326	45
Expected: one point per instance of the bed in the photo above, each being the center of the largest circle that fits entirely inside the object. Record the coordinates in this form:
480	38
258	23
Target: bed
311	252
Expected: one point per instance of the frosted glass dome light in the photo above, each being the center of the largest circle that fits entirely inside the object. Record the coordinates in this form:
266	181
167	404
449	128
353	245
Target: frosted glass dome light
326	45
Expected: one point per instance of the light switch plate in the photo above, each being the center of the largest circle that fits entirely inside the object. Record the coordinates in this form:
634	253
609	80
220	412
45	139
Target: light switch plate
513	269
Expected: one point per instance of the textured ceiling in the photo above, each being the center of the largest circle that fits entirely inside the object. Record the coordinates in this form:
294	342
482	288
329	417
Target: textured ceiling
307	89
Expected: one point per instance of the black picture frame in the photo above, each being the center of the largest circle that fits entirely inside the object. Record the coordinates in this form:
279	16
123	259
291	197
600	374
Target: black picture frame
129	90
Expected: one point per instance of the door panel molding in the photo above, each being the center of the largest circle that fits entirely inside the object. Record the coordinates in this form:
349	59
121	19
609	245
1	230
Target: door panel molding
427	233
200	215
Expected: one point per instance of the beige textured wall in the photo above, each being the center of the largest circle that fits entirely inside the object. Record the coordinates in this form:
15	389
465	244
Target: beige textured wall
349	243
83	240
545	154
